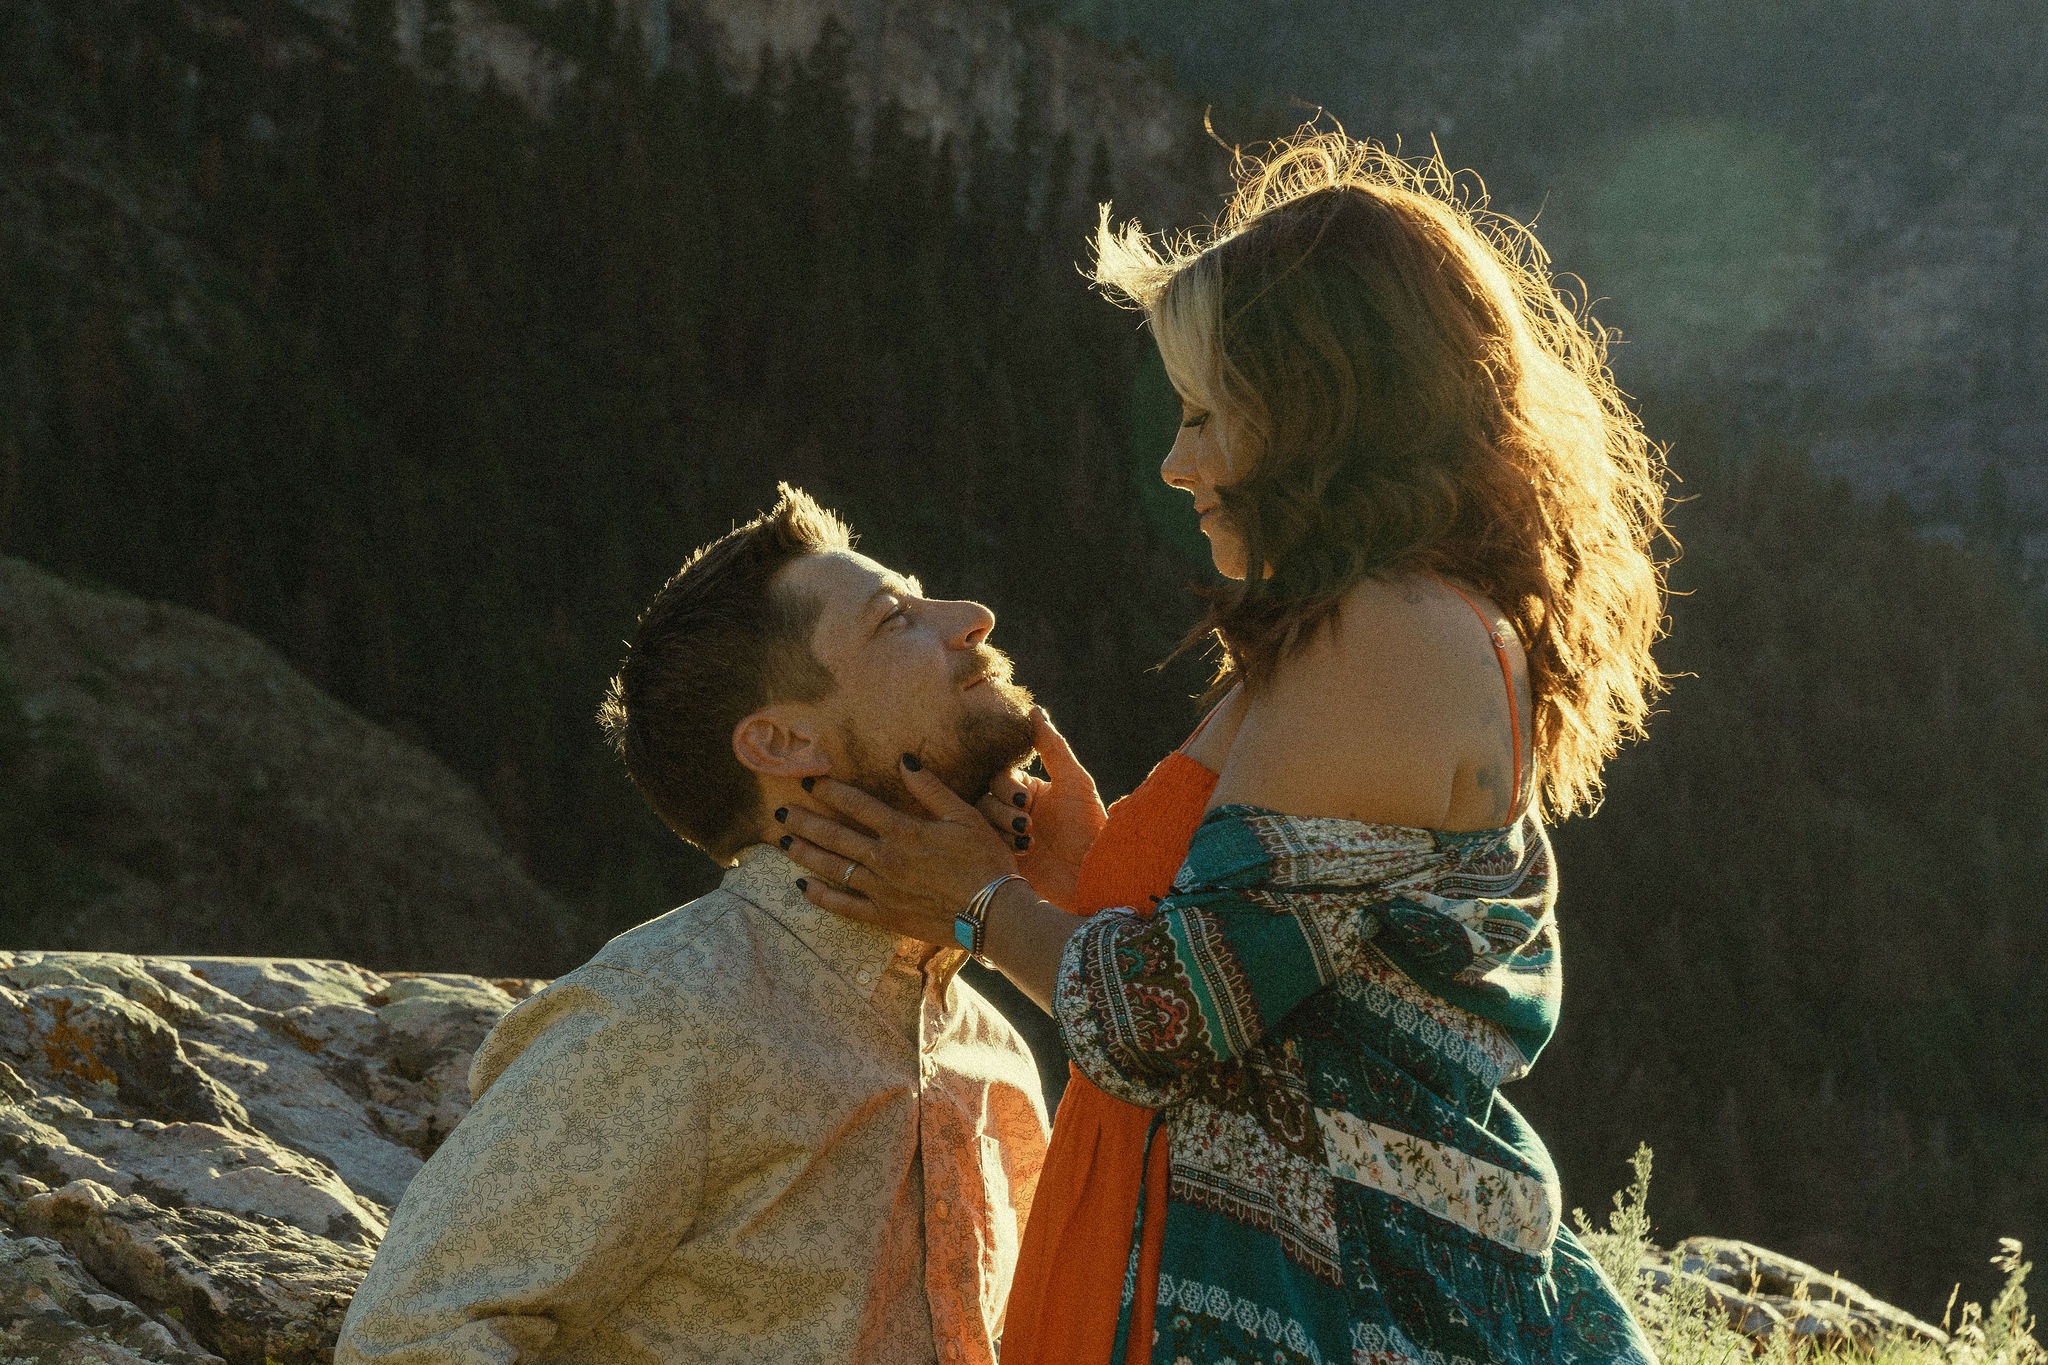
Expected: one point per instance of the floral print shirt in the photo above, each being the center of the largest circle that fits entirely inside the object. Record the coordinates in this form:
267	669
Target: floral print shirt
1323	1011
745	1131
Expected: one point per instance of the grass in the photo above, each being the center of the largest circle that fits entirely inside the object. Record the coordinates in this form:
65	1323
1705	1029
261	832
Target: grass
1687	1328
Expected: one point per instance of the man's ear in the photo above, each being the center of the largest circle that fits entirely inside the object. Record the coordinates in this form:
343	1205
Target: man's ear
782	741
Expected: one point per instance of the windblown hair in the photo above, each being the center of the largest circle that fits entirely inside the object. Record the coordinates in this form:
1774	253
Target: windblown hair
1406	390
719	642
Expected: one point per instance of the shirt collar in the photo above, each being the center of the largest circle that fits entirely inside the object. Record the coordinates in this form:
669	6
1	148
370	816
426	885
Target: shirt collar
858	953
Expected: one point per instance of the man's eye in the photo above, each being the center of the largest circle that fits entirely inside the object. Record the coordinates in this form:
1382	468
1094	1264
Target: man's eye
897	615
1198	421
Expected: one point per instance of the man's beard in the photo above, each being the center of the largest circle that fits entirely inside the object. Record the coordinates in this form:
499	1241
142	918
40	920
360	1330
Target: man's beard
985	743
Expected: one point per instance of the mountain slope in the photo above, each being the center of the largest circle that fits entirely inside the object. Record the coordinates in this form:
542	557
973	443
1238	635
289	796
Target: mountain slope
1821	221
206	796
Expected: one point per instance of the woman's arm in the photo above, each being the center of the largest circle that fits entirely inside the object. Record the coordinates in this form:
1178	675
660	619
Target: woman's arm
1026	936
1145	1004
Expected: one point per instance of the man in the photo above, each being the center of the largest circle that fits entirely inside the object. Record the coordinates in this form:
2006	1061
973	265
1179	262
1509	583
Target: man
747	1130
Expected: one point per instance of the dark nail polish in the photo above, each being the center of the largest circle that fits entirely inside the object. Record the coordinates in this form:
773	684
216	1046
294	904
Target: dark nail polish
784	840
1019	799
1023	842
810	782
910	762
781	814
802	885
1020	824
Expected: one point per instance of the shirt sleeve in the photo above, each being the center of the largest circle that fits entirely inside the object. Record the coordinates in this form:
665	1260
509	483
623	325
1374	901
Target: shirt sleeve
575	1174
1145	1003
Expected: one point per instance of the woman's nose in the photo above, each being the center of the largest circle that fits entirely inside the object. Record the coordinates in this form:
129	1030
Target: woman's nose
1178	468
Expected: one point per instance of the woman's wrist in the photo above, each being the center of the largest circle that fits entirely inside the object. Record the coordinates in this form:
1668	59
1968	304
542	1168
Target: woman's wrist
970	922
1024	935
1012	899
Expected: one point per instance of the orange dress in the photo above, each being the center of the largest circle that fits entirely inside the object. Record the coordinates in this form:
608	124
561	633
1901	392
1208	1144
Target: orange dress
1068	1289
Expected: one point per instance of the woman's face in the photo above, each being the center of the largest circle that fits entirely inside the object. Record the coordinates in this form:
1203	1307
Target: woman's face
1198	464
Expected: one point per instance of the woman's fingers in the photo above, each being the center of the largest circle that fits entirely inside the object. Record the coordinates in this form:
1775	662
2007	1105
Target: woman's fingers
824	833
938	798
916	872
831	866
1054	752
1015	789
1012	822
856	804
838	902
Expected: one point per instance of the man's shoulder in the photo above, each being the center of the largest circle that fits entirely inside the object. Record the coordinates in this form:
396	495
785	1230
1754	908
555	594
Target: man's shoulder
649	980
680	953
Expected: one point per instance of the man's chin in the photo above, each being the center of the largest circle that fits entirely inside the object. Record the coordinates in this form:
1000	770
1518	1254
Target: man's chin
994	736
990	738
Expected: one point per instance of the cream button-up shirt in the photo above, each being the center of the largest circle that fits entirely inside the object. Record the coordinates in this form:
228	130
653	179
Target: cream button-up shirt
745	1131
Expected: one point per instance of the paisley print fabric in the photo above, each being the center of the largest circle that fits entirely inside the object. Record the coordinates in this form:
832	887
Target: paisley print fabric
1514	1209
1323	1012
745	1131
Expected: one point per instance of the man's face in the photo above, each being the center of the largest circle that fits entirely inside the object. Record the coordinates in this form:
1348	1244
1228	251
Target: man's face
914	675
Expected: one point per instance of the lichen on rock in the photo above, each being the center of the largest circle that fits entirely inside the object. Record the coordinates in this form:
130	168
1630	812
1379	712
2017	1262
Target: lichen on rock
53	1310
198	1155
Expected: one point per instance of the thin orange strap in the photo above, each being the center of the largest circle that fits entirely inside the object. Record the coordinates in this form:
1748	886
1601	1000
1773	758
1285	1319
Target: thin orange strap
1500	654
1203	726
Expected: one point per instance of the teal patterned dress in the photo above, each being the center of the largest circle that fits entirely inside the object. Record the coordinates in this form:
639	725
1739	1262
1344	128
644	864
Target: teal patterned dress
1323	1012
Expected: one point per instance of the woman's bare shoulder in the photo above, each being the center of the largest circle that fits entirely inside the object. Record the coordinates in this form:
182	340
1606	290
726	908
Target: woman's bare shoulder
1373	718
1416	621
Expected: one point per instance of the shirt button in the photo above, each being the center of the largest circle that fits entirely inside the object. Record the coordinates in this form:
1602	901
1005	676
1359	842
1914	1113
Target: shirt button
864	976
952	1350
941	1210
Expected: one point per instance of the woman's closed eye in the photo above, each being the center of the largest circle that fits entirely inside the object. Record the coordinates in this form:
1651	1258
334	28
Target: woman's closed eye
1196	421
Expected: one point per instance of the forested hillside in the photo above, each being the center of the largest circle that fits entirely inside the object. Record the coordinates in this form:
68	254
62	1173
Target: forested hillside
1803	934
434	395
431	394
1827	219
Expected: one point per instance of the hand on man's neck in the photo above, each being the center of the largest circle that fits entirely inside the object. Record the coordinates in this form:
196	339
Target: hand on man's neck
779	794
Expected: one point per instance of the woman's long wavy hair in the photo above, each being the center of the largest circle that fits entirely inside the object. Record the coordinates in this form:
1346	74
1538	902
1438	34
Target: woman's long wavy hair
1407	390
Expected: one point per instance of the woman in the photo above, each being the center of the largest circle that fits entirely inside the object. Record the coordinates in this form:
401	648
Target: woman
1326	932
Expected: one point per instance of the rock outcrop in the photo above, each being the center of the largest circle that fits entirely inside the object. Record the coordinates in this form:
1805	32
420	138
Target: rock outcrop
1762	1293
198	1156
224	802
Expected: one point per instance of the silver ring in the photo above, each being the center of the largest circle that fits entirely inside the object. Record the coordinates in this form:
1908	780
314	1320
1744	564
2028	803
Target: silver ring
846	877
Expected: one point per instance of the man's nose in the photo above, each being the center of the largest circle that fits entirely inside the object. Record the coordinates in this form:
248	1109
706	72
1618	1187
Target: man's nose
971	625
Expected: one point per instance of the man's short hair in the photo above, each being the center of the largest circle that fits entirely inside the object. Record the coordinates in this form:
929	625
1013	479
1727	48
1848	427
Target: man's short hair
718	643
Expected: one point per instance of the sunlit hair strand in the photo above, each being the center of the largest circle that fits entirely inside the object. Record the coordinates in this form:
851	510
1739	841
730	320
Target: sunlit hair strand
1400	387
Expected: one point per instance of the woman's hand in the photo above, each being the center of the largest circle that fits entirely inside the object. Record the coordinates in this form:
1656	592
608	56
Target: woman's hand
910	876
1053	820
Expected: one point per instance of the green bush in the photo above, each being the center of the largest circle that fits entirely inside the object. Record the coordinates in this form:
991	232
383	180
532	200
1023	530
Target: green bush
1687	1328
